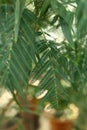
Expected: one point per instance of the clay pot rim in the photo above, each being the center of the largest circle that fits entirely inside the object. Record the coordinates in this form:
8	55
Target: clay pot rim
51	117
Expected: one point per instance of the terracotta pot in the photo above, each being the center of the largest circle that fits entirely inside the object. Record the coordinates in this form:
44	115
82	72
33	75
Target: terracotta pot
57	124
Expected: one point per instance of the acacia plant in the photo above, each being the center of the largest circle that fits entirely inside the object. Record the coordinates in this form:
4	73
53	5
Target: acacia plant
44	40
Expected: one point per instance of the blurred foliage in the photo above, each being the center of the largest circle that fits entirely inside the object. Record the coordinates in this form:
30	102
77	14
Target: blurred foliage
29	51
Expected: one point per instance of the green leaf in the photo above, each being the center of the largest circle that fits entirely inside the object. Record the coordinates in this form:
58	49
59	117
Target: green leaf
67	32
16	58
81	19
44	7
19	6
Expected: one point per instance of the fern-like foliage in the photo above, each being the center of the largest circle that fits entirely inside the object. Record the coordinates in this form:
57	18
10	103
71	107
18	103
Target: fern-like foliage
16	49
28	55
